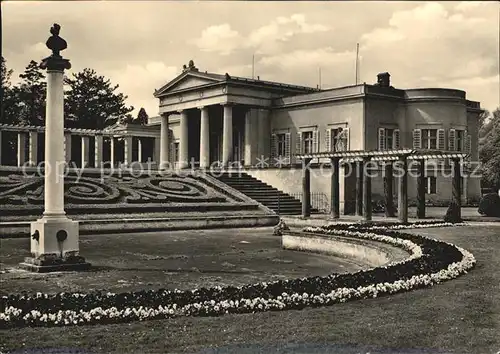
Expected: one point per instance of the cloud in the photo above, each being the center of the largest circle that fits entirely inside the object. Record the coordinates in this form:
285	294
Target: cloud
466	6
308	58
224	40
139	81
436	46
220	38
422	44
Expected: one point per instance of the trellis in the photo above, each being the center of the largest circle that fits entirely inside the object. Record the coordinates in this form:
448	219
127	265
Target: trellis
363	186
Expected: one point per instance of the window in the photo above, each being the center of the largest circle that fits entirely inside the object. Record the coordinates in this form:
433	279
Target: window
307	141
429	139
176	152
281	149
337	139
388	138
430	185
460	138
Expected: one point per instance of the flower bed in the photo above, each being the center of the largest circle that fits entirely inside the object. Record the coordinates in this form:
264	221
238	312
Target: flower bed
400	226
430	262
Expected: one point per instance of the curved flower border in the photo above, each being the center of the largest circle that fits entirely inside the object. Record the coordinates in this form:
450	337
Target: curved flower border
441	261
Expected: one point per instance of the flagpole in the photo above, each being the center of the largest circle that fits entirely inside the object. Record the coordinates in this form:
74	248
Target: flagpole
319	74
253	66
357	55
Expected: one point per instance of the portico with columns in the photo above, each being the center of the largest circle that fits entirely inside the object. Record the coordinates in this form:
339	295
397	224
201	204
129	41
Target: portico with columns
216	119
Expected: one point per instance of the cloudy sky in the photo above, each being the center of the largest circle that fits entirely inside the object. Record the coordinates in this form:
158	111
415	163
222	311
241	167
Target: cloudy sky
143	45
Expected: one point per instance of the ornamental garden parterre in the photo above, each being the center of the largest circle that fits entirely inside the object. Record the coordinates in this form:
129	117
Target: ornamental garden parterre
430	262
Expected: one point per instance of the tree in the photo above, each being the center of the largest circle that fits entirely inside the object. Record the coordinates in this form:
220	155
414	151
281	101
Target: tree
31	95
142	117
483	123
91	101
489	153
9	113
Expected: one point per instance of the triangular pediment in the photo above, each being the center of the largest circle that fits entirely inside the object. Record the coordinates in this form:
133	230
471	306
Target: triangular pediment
187	80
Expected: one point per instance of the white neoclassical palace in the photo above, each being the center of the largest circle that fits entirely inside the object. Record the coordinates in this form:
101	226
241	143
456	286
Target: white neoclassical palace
260	125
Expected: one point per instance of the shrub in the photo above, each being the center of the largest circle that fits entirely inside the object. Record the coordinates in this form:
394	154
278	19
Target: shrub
453	213
490	205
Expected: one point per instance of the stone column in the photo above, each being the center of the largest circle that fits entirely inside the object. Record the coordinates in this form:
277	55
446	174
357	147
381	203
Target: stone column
21	149
157	151
67	147
367	190
164	143
456	186
388	193
112	151
204	138
127	146
85	151
54	237
227	142
184	144
335	189
359	188
421	189
139	150
33	151
403	190
306	188
249	138
98	151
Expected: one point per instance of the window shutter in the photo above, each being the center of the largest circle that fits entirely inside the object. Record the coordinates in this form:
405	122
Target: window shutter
345	134
287	147
273	147
441	144
328	140
417	138
381	139
315	147
396	142
452	140
298	143
468	143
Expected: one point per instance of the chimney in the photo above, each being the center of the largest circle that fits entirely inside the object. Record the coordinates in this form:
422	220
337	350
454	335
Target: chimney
383	79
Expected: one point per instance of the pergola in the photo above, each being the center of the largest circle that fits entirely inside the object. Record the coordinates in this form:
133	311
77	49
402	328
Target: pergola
363	184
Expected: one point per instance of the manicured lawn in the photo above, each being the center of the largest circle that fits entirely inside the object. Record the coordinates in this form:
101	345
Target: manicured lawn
459	316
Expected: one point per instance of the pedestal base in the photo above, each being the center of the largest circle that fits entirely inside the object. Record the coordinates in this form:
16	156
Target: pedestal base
54	237
41	265
54	246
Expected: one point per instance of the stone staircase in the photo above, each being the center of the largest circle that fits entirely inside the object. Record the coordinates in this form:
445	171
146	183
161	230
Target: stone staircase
276	200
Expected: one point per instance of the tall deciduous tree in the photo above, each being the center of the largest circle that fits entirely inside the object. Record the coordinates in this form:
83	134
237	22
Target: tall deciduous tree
31	95
92	101
489	151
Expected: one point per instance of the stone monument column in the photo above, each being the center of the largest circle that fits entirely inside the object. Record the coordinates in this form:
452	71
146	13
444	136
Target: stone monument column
54	237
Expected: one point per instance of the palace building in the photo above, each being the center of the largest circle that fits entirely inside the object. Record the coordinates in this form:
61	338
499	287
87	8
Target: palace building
258	126
261	125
